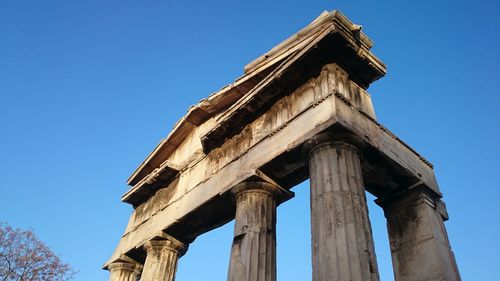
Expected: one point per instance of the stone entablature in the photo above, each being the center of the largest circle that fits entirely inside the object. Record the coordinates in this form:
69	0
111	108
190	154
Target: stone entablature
315	91
264	68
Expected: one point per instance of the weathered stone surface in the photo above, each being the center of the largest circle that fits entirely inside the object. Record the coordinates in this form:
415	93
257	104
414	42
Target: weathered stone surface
419	242
161	259
123	271
342	242
253	253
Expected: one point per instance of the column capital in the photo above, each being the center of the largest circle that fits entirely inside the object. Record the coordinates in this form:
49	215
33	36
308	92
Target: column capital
276	192
329	139
163	253
411	197
124	269
166	243
123	262
122	265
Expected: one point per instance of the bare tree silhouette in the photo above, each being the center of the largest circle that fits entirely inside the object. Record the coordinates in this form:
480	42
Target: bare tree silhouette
23	257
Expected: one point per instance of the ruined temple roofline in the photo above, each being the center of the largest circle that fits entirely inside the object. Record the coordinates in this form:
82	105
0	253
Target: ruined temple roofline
255	72
307	31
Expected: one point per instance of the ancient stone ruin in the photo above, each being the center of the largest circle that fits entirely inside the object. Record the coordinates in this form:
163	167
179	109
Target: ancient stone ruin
299	111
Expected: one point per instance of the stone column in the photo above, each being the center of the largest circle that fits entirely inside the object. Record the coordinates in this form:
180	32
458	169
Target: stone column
161	259
253	254
419	242
342	242
123	271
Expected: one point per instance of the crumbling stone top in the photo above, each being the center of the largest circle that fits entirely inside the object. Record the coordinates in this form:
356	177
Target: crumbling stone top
329	38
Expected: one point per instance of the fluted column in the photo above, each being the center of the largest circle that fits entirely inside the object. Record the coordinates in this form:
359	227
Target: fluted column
417	235
161	259
253	254
342	242
123	271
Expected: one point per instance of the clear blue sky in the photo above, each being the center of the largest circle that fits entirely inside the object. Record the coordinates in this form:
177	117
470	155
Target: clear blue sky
88	88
